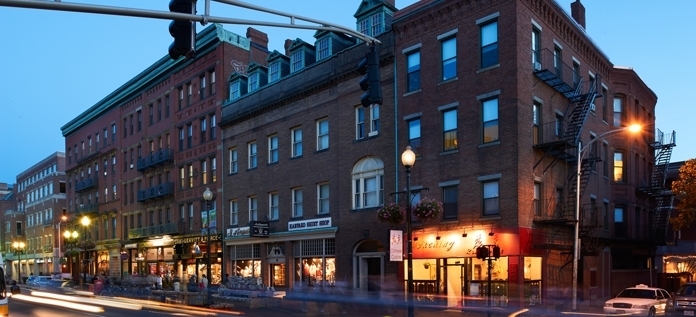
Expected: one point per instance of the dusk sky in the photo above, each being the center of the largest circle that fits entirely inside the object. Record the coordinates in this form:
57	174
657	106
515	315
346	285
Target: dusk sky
57	64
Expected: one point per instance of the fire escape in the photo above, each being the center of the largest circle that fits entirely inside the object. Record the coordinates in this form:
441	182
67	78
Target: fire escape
657	189
558	141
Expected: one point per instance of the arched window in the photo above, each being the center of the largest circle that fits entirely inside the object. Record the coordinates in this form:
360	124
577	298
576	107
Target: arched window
368	183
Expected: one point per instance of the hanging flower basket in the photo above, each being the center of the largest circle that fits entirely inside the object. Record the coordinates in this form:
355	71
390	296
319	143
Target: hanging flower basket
87	245
427	209
391	213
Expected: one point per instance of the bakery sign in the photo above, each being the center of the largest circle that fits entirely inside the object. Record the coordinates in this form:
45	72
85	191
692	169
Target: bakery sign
309	224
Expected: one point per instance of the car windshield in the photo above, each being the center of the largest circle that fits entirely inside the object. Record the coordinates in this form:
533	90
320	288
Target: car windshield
687	290
637	293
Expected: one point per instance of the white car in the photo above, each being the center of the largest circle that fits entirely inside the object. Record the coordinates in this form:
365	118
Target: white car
640	300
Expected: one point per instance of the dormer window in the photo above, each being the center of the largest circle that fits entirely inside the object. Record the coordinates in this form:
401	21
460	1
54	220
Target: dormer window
323	48
253	82
372	25
296	61
376	24
274	72
235	91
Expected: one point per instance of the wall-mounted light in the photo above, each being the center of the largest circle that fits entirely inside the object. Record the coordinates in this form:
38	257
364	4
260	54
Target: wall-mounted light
415	239
490	234
464	235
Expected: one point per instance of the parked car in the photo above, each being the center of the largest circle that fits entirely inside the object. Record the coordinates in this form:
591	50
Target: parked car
40	281
58	286
640	300
685	300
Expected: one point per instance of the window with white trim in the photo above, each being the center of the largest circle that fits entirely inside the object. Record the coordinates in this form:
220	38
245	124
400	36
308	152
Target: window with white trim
491	198
296	141
234	212
323	198
273	149
253	208
322	134
273	208
297	210
233	160
251	150
368	183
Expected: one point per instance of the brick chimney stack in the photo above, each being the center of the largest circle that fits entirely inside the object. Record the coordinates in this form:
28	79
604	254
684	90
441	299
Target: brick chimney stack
577	10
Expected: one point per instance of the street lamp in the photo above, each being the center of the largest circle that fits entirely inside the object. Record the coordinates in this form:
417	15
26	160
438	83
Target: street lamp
85	223
56	258
18	248
70	238
208	196
634	128
408	158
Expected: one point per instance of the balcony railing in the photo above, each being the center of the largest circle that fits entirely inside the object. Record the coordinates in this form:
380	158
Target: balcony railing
47	248
86	184
167	228
160	157
154	192
86	209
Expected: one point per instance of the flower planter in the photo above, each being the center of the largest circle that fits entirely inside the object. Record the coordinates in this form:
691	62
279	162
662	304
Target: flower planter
427	209
391	213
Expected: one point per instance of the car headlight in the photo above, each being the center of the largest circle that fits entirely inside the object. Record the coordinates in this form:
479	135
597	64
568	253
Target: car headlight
641	306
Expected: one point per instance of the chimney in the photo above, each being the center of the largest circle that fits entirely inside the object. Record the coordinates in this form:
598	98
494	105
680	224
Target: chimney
577	10
288	42
257	37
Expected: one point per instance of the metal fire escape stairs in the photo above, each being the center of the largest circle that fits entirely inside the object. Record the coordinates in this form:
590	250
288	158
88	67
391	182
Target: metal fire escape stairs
664	198
563	146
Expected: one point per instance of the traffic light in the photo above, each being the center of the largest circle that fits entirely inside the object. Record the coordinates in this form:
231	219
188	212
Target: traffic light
481	252
183	31
496	252
370	83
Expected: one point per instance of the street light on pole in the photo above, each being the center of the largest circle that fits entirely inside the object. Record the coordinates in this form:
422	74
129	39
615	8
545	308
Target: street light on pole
18	248
208	196
56	261
408	158
70	238
634	128
85	223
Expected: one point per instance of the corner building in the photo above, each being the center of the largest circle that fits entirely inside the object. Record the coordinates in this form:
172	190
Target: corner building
139	160
496	99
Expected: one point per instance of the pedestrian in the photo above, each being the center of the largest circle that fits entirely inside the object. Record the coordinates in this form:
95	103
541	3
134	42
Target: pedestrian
227	279
158	281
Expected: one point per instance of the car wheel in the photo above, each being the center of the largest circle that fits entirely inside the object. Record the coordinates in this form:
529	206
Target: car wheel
651	313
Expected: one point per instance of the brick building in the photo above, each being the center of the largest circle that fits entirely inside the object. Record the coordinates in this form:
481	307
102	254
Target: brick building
497	134
139	160
40	199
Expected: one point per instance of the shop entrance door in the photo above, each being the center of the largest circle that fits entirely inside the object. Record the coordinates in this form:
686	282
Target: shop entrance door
456	279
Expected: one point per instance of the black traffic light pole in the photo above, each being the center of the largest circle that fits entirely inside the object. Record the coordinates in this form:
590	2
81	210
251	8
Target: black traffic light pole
488	252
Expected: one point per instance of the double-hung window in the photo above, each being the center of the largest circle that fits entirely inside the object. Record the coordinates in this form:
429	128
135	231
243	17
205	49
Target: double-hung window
322	134
536	199
201	86
618	110
296	61
251	150
413	81
273	149
489	43
273	208
297	202
253	208
234	90
450	202
374	119
449	57
273	72
296	140
490	120
491	198
234	212
449	129
323	198
414	132
233	160
204	128
619	167
536	45
359	123
253	82
322	48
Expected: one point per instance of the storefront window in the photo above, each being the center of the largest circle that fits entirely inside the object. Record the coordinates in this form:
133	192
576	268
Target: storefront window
246	260
532	280
315	263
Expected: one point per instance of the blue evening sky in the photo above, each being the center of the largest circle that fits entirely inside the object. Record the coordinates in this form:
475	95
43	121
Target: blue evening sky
57	64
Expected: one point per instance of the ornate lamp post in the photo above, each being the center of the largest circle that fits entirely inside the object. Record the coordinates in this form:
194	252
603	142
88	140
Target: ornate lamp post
85	223
208	196
18	247
634	128
408	158
71	239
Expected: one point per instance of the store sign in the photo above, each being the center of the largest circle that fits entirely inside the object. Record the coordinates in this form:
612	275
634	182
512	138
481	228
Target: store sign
213	237
309	224
238	232
396	245
260	229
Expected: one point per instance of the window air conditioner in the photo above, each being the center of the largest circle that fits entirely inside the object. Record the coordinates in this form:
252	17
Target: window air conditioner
592	107
131	166
537	66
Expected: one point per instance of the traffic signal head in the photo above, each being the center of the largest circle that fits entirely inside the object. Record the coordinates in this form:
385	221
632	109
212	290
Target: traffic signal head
183	31
496	252
371	82
481	253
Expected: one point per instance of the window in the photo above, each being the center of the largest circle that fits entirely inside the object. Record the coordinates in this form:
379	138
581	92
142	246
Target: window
234	212
212	82
558	126
253	82
490	120
204	127
253	209
414	132
489	44
449	202
139	116
368	183
558	61
213	169
376	24
296	140
213	126
201	86
323	198
166	106
189	93
204	172
159	110
536	46
273	72
151	114
374	119
189	136
536	122
536	200
190	175
296	61
251	149
181	98
619	167
322	134
273	212
363	26
605	107
413	71
181	139
273	149
449	127
297	202
576	74
491	200
322	47
449	58
233	160
605	161
618	110
234	90
190	216
620	229
359	123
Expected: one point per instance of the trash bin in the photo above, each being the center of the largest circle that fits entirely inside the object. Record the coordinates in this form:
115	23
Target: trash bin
176	286
98	286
